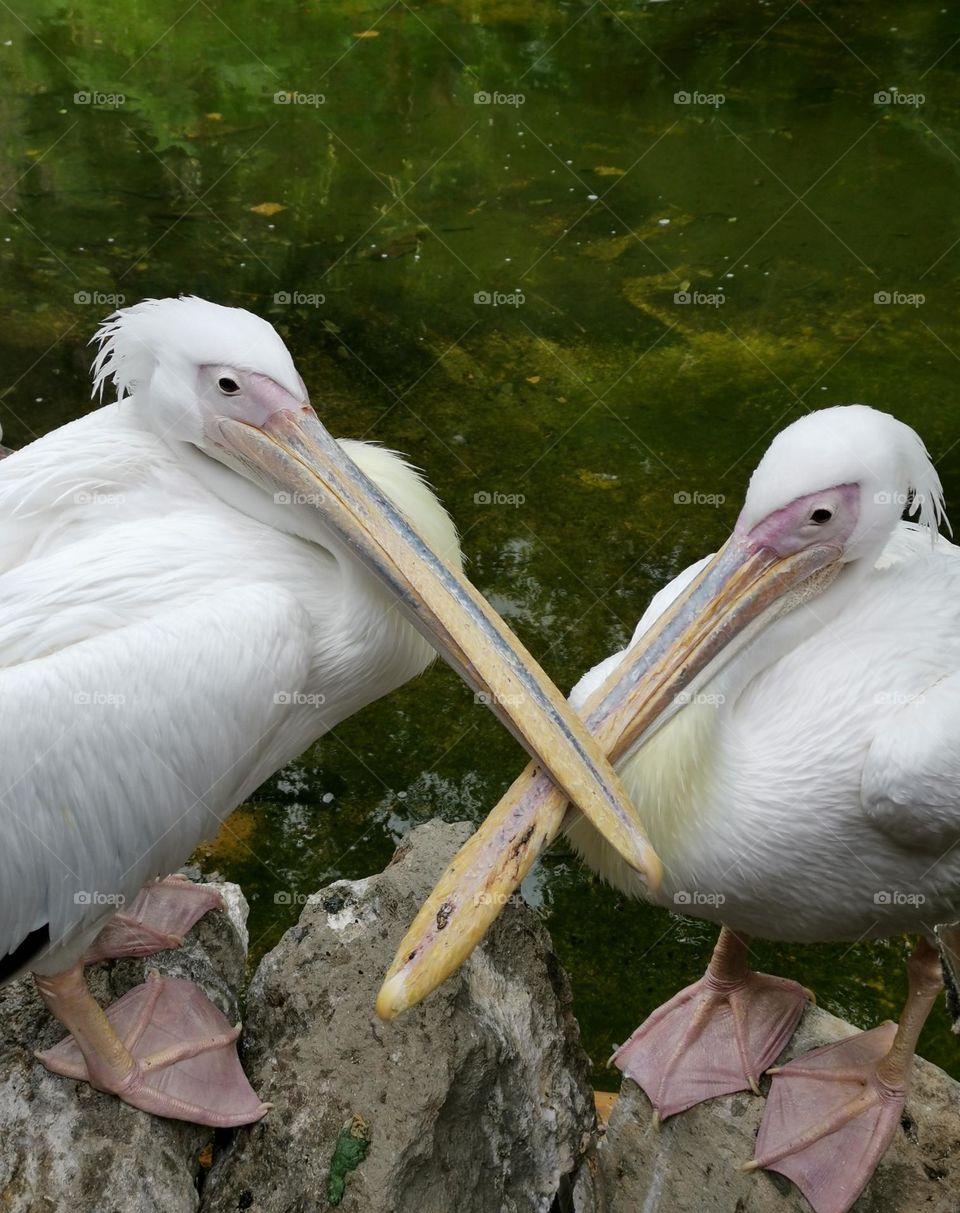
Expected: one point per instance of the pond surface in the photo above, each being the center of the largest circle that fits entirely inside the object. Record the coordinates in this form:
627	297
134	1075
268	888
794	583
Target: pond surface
469	221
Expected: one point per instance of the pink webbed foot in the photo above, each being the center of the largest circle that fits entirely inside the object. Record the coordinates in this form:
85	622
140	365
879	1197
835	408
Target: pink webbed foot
829	1118
716	1036
174	1054
713	1038
158	918
832	1113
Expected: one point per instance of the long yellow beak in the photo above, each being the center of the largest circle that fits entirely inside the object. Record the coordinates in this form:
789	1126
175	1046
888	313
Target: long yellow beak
740	590
292	451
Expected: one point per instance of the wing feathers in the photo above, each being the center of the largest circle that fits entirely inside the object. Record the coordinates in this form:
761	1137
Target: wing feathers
125	750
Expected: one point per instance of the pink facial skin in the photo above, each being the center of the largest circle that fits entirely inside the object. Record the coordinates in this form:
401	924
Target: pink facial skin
829	516
257	399
269	398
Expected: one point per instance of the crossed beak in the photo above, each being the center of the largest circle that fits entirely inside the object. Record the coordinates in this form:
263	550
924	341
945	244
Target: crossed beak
741	590
290	450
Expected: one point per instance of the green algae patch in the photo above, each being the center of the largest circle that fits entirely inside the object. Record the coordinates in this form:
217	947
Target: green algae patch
349	1152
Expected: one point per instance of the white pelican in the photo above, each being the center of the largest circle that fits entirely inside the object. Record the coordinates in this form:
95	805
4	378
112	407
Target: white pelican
787	722
196	582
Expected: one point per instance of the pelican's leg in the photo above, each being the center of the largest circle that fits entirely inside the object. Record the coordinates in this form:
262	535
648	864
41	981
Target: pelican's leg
716	1036
158	918
164	1048
832	1113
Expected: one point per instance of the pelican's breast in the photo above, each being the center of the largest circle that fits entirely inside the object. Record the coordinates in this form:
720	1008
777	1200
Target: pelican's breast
670	780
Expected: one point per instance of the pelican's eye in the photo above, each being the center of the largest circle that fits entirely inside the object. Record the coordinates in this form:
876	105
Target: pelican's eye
228	386
821	516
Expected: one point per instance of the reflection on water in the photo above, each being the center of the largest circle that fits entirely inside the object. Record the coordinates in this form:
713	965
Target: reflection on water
579	260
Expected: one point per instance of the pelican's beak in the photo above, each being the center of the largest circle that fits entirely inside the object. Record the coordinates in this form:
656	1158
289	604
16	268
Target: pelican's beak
742	589
292	451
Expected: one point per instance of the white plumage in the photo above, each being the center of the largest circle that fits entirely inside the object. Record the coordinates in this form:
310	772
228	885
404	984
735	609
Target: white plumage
816	793
810	788
169	634
163	652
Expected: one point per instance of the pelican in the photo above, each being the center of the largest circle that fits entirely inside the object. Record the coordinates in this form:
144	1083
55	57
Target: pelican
196	582
786	720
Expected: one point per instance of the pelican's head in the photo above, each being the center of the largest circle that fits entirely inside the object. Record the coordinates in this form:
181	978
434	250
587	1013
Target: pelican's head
842	476
190	363
221	379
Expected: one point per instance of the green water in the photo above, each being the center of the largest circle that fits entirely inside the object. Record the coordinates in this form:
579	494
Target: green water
587	406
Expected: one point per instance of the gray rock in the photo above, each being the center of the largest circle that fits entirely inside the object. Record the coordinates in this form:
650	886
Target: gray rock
692	1162
478	1101
65	1146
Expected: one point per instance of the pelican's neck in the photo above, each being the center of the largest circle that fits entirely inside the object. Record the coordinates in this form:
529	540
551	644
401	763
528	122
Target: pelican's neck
371	627
673	777
785	634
